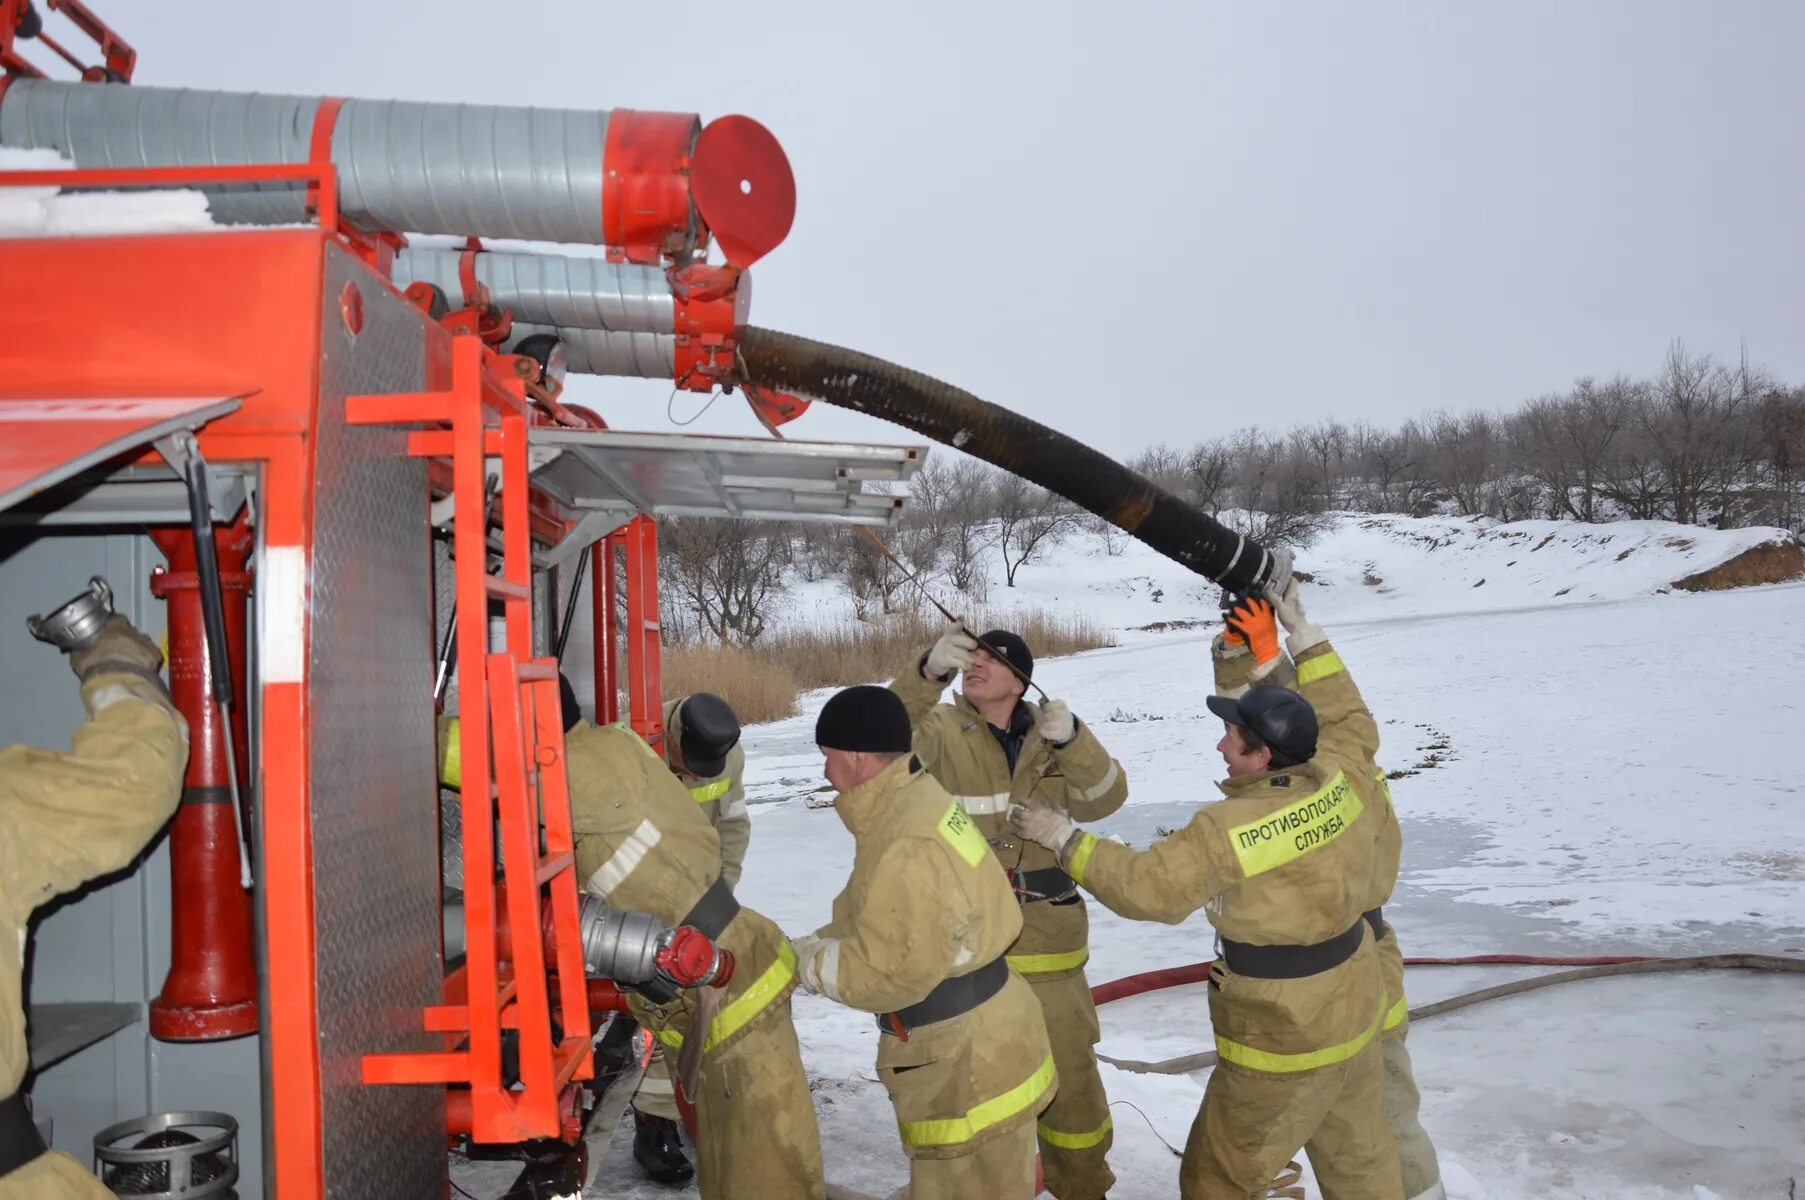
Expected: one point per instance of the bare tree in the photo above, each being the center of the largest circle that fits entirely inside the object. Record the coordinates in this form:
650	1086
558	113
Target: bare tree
725	572
1695	428
1279	497
971	509
1780	428
1462	454
1207	473
1028	518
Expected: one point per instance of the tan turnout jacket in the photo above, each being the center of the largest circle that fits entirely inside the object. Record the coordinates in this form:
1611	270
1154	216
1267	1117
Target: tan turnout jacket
1234	667
643	845
65	818
1286	857
1080	779
925	902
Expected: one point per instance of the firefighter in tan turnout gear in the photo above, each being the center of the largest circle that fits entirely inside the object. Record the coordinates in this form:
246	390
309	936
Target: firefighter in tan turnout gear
1247	653
1283	864
701	747
990	748
643	844
918	937
66	818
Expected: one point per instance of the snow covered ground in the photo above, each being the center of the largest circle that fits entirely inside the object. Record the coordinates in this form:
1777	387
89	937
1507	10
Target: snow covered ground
1611	775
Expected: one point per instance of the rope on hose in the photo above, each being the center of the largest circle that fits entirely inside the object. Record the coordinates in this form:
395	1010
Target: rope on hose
1598	968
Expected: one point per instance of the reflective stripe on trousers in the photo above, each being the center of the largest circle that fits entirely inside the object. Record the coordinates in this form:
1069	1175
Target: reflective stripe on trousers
950	1131
1285	1064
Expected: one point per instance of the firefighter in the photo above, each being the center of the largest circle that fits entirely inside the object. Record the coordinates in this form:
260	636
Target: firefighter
701	747
1246	653
990	748
1284	863
66	818
918	937
643	844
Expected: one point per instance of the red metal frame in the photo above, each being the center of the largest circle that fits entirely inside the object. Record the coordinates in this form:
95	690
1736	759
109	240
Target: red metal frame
118	59
520	786
645	701
211	989
249	326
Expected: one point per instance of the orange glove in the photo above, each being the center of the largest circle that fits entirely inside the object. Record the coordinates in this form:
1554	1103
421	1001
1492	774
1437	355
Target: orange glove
1252	620
1229	636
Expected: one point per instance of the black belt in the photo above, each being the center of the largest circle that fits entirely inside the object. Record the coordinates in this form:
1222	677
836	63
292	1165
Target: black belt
20	1142
1292	962
1047	883
949	999
714	911
1376	918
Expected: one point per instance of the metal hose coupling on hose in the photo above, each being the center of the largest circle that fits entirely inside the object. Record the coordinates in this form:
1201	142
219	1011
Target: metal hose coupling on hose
636	948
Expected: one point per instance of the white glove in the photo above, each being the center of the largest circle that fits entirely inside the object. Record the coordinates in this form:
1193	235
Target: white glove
811	953
953	652
1056	724
1043	824
1288	606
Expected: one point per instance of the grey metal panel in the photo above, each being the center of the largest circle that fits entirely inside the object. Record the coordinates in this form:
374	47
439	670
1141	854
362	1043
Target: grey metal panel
485	170
610	351
553	289
711	476
375	824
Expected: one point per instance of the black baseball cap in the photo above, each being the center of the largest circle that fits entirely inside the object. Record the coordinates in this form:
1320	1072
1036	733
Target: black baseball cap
1280	717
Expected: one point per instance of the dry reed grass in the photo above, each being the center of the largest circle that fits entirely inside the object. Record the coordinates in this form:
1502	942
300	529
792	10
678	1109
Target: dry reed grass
763	681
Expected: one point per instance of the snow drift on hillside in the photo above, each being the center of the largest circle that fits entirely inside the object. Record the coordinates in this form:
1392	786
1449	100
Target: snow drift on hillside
46	212
1364	566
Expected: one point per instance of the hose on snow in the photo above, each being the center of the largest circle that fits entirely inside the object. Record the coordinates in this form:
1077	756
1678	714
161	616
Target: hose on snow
1595	967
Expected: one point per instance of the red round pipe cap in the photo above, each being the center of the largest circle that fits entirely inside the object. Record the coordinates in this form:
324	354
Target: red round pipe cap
741	183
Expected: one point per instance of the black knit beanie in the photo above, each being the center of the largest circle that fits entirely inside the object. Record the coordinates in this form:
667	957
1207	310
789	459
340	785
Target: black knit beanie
1011	647
864	718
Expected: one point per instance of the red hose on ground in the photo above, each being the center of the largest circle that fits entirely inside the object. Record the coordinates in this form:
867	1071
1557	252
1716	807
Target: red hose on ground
1170	977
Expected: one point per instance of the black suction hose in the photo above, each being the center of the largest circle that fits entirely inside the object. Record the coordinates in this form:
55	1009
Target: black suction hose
1017	444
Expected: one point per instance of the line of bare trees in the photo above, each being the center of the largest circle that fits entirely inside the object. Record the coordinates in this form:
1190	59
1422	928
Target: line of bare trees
1702	442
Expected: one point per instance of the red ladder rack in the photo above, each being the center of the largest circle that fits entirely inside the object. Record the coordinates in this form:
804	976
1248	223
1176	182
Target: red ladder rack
522	789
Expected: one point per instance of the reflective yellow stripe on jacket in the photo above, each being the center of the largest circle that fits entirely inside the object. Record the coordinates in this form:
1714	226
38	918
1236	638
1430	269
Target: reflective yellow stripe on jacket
1081	857
740	1011
706	793
1046	964
1075	1141
1394	1016
1320	667
950	1131
1285	1064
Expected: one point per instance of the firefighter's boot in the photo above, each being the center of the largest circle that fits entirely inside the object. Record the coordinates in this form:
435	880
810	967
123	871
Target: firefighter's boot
659	1151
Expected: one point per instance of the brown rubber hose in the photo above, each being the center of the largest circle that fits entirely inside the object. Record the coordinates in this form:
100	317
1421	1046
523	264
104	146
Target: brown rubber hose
1017	444
1185	1064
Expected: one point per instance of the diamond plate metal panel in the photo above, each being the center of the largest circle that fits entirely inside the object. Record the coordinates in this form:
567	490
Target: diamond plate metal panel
375	820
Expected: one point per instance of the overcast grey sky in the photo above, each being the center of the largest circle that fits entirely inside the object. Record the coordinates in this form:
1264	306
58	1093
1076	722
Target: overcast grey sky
1143	222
